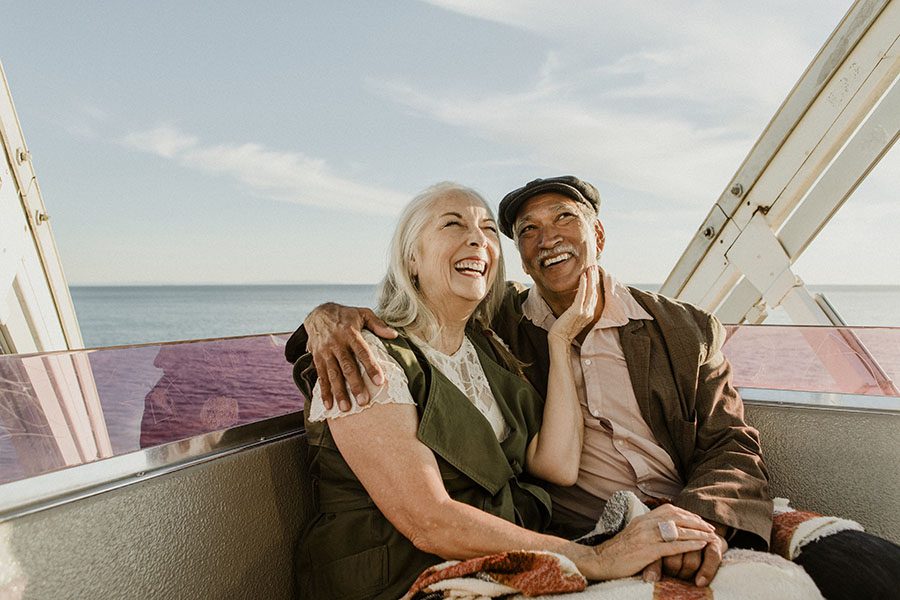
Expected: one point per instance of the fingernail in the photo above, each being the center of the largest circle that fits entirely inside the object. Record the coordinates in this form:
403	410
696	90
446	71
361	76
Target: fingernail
378	379
345	406
651	577
701	581
362	399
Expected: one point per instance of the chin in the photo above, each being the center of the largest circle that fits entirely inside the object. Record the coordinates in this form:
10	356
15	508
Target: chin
559	286
474	294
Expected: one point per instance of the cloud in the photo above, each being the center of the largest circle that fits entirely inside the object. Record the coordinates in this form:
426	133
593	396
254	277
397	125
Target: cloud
697	50
284	176
669	105
663	155
165	141
85	121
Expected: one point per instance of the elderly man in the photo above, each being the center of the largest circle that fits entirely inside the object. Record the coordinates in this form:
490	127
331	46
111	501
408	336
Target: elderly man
661	416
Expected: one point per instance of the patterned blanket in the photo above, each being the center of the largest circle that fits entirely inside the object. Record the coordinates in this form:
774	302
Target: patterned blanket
744	574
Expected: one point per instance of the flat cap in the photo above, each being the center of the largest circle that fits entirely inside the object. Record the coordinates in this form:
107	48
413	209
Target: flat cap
567	185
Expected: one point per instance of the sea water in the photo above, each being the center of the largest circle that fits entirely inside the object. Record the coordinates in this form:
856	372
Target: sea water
137	314
111	316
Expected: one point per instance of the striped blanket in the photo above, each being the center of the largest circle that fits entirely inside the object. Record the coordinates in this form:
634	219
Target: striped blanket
744	574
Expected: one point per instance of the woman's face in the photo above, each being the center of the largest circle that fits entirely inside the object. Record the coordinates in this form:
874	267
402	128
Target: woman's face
456	255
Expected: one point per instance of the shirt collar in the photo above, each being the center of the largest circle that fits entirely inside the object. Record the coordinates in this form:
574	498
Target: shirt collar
619	306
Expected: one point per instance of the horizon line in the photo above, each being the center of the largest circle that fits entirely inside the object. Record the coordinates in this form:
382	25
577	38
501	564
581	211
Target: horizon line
295	283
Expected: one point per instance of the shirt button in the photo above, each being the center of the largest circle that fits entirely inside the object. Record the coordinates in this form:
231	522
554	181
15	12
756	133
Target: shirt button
587	361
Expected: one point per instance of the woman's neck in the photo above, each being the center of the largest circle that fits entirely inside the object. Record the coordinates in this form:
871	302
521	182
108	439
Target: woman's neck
449	334
448	339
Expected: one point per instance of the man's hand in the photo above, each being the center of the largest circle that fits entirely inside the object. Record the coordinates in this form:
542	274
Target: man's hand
701	565
337	349
640	543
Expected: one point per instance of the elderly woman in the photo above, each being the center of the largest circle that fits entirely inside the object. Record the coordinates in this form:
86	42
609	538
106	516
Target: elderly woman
433	465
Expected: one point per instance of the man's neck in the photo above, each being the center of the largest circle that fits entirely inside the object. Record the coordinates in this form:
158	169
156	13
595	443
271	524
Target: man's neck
559	303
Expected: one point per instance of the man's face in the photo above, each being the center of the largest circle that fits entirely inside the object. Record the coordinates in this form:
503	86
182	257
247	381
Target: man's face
556	242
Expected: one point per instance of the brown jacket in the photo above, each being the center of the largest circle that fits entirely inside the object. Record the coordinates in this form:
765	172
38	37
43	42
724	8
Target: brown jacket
682	383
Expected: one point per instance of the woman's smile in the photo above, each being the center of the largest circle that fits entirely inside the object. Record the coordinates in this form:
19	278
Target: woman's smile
471	267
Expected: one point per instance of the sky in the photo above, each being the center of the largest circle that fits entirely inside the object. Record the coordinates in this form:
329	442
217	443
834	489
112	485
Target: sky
275	142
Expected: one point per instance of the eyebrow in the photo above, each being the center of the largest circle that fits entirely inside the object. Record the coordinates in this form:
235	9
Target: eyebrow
555	208
459	216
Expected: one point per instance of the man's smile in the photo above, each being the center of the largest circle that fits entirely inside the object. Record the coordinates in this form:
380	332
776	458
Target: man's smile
556	259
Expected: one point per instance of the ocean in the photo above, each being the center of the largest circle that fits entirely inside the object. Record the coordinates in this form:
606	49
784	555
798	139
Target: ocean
116	315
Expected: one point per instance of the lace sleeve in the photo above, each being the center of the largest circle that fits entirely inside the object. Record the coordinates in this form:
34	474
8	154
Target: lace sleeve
395	390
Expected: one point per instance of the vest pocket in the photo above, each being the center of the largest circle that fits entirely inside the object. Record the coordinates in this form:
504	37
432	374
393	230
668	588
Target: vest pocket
354	577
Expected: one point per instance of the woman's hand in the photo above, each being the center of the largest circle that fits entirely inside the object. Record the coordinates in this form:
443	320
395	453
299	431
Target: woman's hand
580	313
555	452
641	543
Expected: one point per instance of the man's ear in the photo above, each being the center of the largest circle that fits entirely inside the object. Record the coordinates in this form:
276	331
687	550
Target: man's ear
600	234
522	260
413	268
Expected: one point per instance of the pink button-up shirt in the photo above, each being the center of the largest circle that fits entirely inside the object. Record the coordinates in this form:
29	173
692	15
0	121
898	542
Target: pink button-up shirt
619	452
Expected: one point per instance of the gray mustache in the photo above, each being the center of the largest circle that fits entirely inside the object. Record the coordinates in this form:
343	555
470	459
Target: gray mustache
548	252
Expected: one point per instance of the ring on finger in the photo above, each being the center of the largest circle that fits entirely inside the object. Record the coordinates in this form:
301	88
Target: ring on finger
668	530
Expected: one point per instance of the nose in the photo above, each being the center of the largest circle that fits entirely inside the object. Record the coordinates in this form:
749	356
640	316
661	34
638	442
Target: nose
477	238
549	237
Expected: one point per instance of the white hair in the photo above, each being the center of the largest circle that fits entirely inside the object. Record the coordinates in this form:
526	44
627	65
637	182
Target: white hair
400	303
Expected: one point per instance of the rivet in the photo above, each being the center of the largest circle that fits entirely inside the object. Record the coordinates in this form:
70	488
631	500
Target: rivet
23	155
42	217
737	190
709	232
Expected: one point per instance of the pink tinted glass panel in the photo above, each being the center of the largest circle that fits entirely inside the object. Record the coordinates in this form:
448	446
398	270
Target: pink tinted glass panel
841	360
69	408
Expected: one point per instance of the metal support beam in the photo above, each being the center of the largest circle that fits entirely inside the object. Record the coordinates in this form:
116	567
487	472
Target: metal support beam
840	119
36	309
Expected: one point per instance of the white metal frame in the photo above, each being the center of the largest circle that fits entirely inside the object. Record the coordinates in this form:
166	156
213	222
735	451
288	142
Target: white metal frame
835	125
36	309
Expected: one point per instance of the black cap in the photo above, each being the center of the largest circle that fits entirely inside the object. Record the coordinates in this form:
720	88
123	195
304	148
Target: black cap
567	185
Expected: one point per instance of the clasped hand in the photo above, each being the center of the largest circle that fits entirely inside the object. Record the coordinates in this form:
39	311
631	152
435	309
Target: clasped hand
699	565
640	546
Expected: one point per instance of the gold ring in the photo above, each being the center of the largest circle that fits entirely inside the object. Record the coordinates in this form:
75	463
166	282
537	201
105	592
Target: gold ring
668	531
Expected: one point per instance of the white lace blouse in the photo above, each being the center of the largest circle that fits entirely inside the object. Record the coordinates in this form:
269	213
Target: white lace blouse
462	368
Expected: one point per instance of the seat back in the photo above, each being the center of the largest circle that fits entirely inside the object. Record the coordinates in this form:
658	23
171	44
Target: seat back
834	461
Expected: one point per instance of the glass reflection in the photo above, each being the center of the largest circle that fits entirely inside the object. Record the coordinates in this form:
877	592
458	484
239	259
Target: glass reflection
837	360
69	408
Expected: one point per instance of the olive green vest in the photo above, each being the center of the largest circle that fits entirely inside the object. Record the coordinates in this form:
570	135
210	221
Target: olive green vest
350	550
